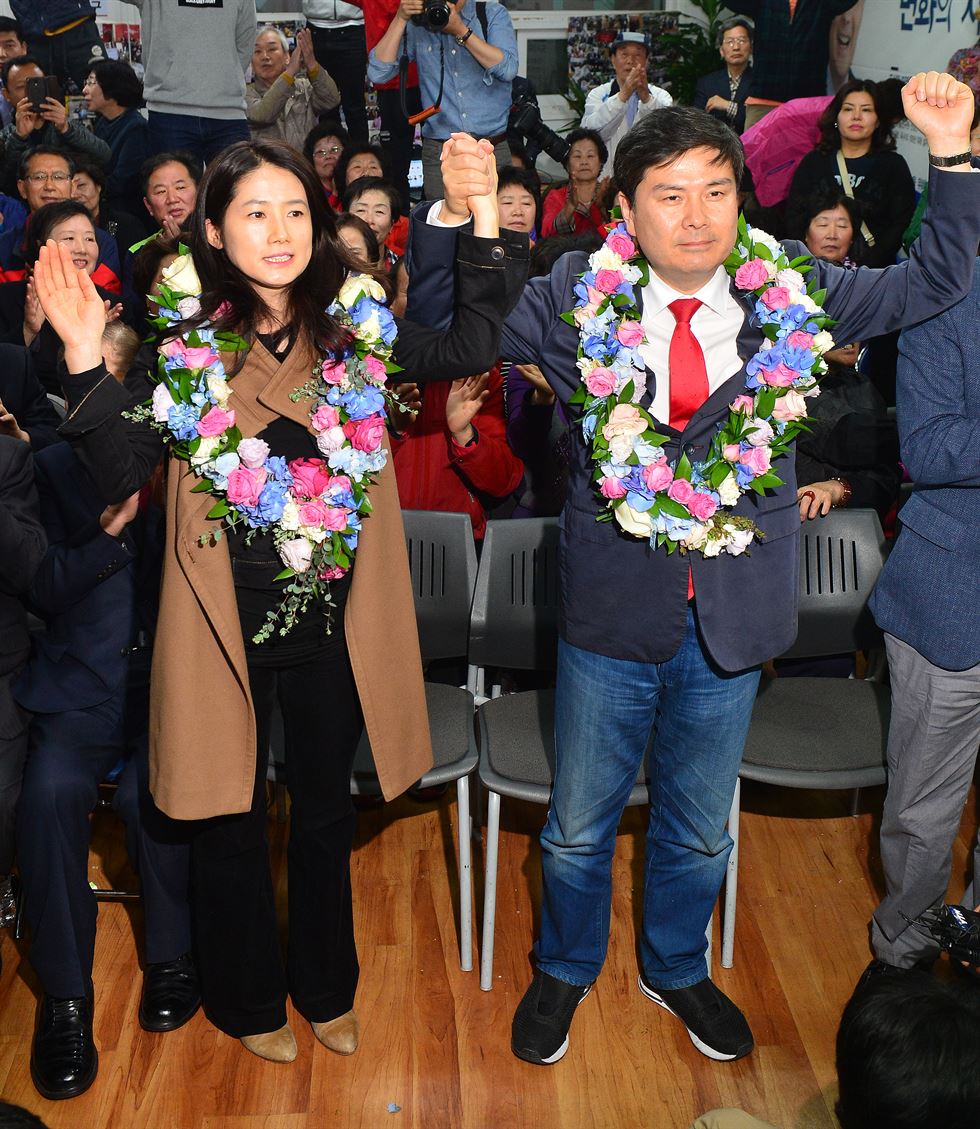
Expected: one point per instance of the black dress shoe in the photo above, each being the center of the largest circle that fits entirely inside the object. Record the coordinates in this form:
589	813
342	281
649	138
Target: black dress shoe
64	1060
171	994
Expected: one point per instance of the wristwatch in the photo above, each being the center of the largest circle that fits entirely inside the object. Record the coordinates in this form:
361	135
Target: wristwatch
946	162
461	39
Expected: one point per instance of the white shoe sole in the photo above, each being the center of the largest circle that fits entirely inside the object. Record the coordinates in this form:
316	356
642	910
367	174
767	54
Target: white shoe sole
560	1053
708	1052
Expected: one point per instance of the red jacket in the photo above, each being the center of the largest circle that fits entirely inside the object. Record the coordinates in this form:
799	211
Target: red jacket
434	473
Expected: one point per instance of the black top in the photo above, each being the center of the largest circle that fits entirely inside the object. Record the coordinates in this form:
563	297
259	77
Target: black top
882	186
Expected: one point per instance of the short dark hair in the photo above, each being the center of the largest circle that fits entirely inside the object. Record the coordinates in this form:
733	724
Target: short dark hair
587	135
356	189
91	168
177	157
358	149
730	25
119	82
347	219
548	251
329	128
663	136
7	25
46	219
18	61
907	1053
514	176
43	151
830	137
823	199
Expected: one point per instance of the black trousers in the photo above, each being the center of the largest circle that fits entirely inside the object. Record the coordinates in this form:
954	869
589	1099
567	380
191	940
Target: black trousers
397	136
244	980
342	52
13	750
69	755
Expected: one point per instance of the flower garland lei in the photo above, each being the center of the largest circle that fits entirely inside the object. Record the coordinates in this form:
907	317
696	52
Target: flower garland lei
312	507
687	505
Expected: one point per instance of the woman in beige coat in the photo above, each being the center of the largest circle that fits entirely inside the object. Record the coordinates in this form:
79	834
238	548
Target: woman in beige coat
263	239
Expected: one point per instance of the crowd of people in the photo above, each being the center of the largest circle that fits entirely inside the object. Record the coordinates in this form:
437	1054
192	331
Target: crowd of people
222	319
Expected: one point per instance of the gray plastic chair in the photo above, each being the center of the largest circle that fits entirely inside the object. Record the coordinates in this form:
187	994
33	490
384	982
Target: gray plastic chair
515	625
442	560
820	732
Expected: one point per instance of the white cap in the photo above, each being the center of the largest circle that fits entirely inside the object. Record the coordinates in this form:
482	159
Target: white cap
625	37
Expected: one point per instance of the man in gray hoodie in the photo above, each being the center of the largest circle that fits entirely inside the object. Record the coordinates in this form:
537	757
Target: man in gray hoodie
196	53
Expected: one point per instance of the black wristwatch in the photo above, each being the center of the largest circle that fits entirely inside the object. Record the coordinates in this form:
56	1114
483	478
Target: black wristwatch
948	162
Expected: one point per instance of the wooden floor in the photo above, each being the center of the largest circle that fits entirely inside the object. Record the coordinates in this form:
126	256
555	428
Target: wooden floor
435	1049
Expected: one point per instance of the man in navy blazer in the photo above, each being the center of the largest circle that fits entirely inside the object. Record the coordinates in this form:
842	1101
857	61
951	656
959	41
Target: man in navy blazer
638	659
926	603
722	93
87	686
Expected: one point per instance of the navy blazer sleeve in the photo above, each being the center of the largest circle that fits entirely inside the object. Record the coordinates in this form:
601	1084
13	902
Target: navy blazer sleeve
22	540
23	395
937	373
938	273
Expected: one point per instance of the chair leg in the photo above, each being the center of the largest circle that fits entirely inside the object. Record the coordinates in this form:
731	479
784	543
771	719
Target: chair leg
490	891
465	875
731	882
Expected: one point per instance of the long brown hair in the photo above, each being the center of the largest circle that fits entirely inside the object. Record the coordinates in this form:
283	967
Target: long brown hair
221	281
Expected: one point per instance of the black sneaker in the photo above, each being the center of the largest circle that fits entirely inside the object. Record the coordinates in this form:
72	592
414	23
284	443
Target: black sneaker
540	1030
716	1026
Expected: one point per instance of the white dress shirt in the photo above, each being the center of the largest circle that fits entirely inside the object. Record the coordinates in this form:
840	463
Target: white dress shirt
715	326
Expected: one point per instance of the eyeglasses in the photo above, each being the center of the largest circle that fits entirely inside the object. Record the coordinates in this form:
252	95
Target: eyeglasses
331	152
739	42
41	177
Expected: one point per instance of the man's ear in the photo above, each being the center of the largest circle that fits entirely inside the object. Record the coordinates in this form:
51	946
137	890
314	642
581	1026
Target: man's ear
624	206
213	235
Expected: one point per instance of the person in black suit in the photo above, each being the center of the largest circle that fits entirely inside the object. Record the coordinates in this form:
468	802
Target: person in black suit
22	544
722	93
87	687
26	413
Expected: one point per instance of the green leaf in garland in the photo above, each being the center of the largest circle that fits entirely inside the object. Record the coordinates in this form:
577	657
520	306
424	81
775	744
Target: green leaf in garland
770	331
819	296
204	486
673	509
569	318
719	472
765	402
579	396
219	509
284	575
684	468
761	251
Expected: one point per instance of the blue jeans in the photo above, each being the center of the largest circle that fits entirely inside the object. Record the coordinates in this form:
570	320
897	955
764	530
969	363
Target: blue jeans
203	138
605	711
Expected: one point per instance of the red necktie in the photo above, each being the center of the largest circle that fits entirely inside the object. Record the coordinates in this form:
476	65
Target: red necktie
688	376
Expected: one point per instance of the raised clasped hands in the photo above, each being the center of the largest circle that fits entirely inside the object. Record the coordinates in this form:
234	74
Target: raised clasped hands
72	306
941	107
469	178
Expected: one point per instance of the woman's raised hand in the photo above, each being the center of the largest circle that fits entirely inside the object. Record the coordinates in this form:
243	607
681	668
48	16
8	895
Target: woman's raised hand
72	306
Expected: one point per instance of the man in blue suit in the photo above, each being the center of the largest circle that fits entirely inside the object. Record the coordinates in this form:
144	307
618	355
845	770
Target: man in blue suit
639	662
926	603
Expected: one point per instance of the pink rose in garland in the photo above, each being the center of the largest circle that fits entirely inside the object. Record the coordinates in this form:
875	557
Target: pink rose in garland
607	280
752	275
612	487
325	416
657	475
334	373
310	477
245	485
365	434
702	506
790	407
630	334
776	298
601	382
780	376
621	244
375	369
681	491
215	423
199	356
335	519
253	452
800	339
757	459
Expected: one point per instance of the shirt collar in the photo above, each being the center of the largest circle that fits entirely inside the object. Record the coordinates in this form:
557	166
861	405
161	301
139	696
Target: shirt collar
716	293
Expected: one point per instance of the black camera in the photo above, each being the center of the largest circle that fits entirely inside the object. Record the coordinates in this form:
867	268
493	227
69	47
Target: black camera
434	15
525	119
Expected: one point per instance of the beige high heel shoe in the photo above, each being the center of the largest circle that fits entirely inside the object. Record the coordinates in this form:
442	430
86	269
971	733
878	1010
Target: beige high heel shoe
276	1046
339	1035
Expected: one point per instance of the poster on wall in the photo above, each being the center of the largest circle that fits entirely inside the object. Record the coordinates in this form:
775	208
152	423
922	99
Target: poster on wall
590	37
897	39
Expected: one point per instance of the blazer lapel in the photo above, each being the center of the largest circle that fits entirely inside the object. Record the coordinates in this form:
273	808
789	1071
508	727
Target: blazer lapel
747	343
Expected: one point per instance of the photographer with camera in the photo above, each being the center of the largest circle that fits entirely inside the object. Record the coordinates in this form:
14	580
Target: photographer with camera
614	107
466	54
